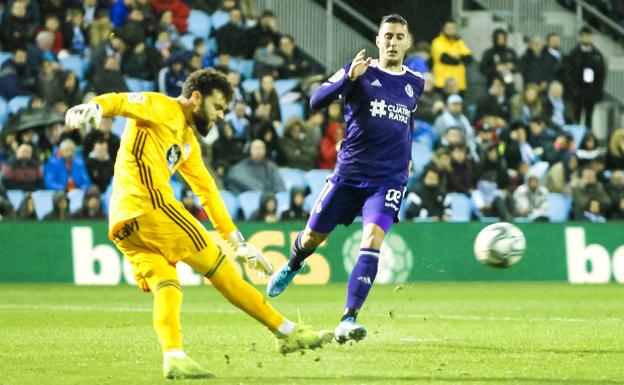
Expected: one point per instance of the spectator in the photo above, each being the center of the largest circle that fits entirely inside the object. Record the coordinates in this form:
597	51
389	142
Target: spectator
451	87
119	11
562	175
330	145
99	165
134	31
14	29
89	8
103	132
64	88
313	126
188	200
255	172
265	29
495	103
587	188
109	78
531	200
296	146
484	140
60	208
538	66
52	25
557	111
239	122
75	34
41	52
589	149
296	65
264	129
54	7
452	137
92	205
442	162
171	78
418	60
453	117
527	105
586	74
179	10
295	210
227	148
462	176
553	47
266	60
143	62
15	76
615	154
267	212
114	47
26	210
518	150
166	24
33	14
231	37
22	172
450	56
615	189
429	199
542	139
500	61
65	171
430	104
268	94
100	29
6	208
594	211
491	198
240	95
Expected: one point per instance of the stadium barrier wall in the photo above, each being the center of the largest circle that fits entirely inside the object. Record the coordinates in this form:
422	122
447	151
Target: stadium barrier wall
80	253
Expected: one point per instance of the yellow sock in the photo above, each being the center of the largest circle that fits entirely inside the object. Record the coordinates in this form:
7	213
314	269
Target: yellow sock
244	296
167	305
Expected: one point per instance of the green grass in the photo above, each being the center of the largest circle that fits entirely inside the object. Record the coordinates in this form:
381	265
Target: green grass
443	333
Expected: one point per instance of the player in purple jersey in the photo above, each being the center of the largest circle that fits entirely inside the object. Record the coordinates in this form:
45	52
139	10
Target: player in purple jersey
372	169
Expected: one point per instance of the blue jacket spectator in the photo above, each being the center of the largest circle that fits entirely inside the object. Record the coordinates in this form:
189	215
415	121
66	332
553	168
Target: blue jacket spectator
15	76
65	172
171	78
119	12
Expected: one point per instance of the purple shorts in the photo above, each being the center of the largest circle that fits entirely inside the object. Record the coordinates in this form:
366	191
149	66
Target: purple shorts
339	203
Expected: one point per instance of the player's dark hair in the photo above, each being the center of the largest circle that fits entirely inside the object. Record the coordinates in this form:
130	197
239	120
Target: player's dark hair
205	81
394	18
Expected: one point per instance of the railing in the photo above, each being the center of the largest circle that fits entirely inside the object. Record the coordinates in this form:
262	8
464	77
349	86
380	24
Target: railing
318	32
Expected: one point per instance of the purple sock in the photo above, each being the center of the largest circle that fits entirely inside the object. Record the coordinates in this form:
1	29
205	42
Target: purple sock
361	281
298	254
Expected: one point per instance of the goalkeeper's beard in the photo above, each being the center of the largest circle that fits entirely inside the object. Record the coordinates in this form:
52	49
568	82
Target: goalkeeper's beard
202	123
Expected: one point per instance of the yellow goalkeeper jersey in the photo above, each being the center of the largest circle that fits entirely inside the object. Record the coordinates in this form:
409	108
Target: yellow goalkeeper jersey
157	142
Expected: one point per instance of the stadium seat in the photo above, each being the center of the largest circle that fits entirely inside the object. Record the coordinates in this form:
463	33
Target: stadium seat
187	41
558	207
199	24
211	45
231	202
219	19
119	123
18	103
539	169
251	85
134	84
461	207
309	200
283	202
15	197
4	56
293	177
4	112
76	197
421	155
43	202
316	179
247	68
249	202
178	188
284	86
106	196
291	110
74	64
578	132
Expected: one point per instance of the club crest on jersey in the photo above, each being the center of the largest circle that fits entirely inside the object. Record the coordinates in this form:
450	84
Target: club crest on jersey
409	90
173	156
136	98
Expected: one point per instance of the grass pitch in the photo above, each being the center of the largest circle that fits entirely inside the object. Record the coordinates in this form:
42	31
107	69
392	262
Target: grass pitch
442	333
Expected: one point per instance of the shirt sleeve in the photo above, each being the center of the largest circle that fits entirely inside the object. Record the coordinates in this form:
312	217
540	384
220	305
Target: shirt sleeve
140	106
204	186
337	85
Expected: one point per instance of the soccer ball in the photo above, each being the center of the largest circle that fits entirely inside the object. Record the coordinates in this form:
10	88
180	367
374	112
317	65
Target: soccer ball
499	245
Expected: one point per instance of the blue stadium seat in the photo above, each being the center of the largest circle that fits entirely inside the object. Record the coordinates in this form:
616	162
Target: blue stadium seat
421	155
558	207
43	202
187	41
578	131
4	112
178	188
249	202
76	197
291	110
219	19
73	63
247	68
18	103
211	45
134	84
199	23
251	85
461	207
284	86
309	200
293	177
231	202
106	196
119	123
4	56
15	197
316	180
283	202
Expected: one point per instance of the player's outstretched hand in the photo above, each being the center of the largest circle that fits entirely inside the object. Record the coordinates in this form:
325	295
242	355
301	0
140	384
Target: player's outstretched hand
81	115
253	258
359	65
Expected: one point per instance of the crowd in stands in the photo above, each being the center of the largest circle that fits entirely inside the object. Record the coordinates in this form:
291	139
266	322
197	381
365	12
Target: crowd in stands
525	140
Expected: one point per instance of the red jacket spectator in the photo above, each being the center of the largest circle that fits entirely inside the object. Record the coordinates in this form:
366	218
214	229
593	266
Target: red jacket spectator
23	172
330	144
180	12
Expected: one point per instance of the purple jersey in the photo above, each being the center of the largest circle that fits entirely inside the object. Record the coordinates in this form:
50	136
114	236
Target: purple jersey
378	110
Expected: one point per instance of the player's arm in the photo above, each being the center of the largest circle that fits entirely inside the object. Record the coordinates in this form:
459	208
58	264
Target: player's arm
341	82
137	106
202	183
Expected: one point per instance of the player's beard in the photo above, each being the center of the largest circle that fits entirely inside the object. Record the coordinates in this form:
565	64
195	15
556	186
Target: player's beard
202	123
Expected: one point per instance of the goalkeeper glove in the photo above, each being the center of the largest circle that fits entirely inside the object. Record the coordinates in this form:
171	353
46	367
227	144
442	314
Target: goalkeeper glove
81	115
249	253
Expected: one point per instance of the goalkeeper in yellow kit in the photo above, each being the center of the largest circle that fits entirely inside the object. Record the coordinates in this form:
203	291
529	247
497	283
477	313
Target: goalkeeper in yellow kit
154	230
